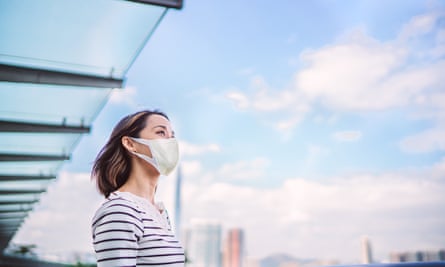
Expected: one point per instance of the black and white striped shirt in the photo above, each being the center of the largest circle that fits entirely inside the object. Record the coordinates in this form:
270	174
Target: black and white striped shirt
129	231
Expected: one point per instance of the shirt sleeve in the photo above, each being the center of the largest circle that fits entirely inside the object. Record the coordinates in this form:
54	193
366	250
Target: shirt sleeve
116	231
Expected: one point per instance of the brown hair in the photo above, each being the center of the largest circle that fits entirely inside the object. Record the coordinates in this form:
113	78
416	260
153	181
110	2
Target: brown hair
112	165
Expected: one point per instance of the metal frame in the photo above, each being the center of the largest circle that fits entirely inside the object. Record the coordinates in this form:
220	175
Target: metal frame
26	177
8	230
20	191
177	4
31	127
13	221
18	74
10	215
24	157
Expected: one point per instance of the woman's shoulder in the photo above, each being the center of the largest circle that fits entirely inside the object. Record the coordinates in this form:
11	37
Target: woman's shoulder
118	214
118	204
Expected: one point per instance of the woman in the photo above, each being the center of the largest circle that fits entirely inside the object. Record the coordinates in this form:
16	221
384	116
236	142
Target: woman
130	229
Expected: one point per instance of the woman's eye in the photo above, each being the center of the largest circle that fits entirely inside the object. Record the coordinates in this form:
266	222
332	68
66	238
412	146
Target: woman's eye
162	133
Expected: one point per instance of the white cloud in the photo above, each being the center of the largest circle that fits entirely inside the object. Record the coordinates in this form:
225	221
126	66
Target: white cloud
125	96
431	107
60	223
188	149
364	74
239	99
357	73
438	169
429	140
347	136
349	76
191	167
419	25
439	50
243	170
265	100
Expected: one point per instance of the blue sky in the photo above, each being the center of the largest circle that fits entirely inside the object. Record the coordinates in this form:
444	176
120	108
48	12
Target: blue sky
320	121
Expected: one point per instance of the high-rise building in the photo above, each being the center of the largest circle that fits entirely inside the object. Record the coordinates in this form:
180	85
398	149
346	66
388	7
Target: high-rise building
178	188
203	244
366	250
233	255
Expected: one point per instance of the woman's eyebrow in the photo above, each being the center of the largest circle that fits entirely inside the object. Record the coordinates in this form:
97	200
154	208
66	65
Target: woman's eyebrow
162	126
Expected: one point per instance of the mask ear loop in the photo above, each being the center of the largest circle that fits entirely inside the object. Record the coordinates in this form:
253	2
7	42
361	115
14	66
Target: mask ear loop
151	160
140	141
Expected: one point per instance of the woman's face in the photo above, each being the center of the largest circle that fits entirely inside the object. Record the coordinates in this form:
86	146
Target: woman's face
157	127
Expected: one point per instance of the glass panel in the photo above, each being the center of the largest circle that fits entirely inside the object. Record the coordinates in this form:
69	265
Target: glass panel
38	143
15	207
26	185
18	198
8	223
51	104
19	214
30	168
100	37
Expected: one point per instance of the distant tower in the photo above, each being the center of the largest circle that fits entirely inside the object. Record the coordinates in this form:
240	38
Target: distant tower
234	248
366	251
178	204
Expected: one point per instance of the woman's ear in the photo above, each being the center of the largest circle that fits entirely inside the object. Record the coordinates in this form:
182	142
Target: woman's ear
128	143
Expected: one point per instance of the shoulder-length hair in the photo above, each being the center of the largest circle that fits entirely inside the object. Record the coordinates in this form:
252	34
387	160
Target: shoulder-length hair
112	165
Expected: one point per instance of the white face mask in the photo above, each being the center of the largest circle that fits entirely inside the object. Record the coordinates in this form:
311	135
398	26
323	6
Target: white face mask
165	153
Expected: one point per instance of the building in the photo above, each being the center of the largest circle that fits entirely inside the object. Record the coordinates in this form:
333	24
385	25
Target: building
178	227
418	256
203	244
366	251
234	247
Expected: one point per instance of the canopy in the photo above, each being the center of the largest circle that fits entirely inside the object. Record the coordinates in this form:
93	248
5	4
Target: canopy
59	61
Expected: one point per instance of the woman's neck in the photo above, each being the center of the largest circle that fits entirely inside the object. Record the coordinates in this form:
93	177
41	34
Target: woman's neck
141	183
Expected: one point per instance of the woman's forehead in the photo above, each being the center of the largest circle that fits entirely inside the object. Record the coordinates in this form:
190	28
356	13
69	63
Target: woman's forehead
158	120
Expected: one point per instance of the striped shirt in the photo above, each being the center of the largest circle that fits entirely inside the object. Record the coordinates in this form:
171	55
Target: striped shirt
129	231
